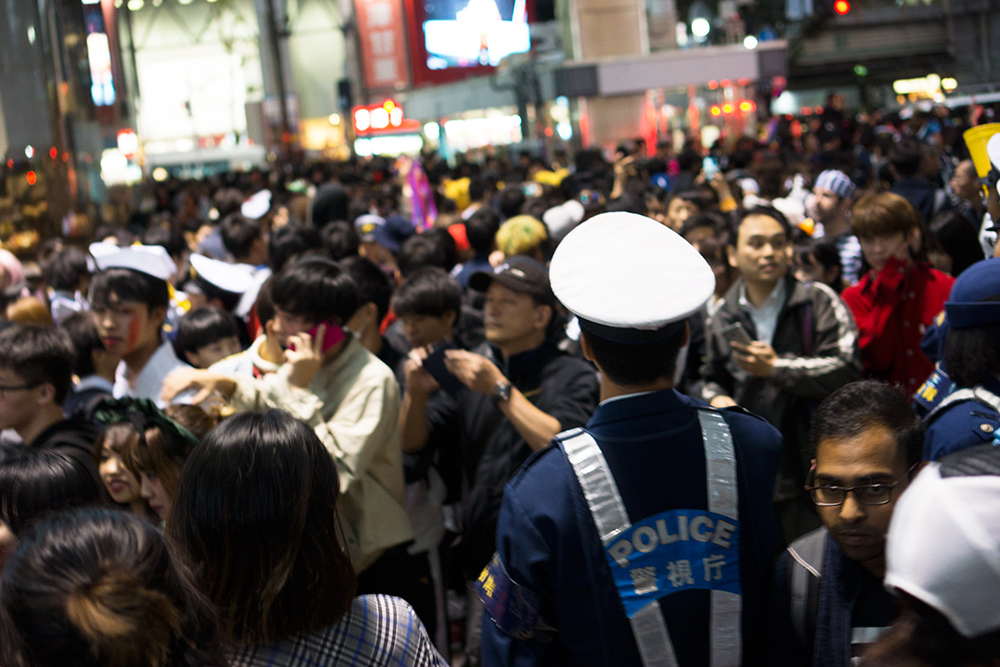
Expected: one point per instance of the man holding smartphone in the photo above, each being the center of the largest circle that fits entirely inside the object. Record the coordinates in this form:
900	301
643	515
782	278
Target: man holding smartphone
777	347
351	399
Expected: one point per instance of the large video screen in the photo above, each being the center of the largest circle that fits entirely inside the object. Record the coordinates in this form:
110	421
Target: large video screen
474	33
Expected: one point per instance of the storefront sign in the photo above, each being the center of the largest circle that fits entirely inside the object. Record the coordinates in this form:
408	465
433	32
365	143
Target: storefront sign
383	43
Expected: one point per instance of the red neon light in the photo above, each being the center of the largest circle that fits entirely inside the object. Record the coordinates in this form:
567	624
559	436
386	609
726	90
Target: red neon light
715	110
841	7
32	178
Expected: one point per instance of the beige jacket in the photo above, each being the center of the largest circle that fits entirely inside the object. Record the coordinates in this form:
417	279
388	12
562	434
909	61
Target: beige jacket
353	405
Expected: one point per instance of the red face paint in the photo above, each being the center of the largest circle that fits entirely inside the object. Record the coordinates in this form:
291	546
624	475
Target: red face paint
134	328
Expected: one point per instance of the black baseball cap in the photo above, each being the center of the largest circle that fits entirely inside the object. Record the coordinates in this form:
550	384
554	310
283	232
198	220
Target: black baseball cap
518	274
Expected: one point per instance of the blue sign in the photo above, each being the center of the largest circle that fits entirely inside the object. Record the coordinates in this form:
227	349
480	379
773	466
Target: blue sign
675	551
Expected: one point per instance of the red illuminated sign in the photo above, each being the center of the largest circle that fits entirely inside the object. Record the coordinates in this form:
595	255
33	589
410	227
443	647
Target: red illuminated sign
383	43
386	117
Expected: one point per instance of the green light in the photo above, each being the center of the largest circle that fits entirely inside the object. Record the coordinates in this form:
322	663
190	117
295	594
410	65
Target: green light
861	70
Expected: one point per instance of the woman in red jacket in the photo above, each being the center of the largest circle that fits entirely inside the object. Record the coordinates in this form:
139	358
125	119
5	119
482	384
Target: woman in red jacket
899	296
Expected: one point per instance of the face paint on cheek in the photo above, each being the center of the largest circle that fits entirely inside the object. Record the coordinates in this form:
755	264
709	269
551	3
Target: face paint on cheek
134	327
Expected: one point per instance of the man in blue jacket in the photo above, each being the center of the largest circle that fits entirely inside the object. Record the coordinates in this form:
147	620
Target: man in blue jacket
645	537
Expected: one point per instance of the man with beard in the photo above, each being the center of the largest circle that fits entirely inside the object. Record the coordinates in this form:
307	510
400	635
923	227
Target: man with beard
833	195
829	599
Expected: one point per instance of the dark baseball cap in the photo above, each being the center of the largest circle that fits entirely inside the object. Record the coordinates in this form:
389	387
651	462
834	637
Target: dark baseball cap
518	274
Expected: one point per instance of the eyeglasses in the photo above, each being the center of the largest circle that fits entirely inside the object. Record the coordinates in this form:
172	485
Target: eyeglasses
830	495
17	387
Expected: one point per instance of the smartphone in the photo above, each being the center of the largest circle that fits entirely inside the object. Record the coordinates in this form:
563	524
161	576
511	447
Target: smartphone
735	333
710	166
334	334
434	363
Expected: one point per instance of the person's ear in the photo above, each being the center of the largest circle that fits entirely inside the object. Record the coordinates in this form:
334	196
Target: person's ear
543	315
731	256
588	352
158	314
46	393
451	317
192	358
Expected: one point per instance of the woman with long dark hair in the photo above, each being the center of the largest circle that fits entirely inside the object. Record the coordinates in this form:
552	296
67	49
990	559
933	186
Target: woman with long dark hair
256	508
100	588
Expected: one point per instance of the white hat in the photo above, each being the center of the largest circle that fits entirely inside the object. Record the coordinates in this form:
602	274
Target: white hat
256	206
560	219
153	260
943	547
629	278
235	278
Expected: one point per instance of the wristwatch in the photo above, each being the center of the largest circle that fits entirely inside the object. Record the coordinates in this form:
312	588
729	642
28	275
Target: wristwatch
501	393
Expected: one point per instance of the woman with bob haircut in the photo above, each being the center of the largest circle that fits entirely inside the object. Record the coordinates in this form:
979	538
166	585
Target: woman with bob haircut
256	509
899	296
100	588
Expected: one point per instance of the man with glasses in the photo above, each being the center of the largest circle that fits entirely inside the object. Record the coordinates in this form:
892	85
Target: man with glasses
829	601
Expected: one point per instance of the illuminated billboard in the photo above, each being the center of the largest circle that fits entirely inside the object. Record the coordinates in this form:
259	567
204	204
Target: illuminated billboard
473	33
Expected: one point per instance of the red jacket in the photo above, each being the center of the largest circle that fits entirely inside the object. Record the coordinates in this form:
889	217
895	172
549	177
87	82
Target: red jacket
893	309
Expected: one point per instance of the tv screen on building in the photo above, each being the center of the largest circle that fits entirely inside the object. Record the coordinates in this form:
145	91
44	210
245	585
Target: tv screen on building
474	33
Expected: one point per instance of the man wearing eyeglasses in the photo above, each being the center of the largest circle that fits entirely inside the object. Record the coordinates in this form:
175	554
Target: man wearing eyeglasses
829	601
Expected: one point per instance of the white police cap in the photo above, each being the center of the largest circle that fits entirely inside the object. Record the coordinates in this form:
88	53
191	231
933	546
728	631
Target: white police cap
235	278
153	260
629	278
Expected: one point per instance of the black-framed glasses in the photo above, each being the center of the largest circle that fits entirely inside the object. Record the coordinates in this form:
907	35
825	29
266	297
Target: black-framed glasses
17	387
831	495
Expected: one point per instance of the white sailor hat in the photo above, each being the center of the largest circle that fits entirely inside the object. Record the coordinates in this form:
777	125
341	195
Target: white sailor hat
629	278
153	260
234	278
943	546
256	206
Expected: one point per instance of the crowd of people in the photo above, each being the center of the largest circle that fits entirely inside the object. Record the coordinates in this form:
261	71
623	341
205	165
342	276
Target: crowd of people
657	410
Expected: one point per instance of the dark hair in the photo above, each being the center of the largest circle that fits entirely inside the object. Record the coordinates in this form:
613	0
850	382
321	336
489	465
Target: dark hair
169	237
481	229
290	242
204	326
264	305
710	219
257	509
429	291
952	233
86	340
317	289
824	253
972	355
765	211
101	588
905	156
373	284
128	285
163	452
34	482
66	269
510	201
39	355
340	239
423	250
238	235
859	406
635	364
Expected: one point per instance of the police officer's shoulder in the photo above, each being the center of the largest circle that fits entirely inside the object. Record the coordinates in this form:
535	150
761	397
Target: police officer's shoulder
540	464
964	424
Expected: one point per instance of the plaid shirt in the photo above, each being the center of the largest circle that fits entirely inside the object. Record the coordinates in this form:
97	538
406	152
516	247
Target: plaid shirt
377	631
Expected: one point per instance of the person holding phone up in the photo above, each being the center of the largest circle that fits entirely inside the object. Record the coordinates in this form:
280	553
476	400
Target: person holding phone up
777	347
350	399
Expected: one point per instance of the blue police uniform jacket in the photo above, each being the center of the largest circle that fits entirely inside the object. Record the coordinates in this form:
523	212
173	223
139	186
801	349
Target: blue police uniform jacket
562	606
961	425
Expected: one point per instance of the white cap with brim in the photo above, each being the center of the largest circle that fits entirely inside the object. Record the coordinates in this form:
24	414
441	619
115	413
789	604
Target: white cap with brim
153	260
235	278
943	548
257	206
629	278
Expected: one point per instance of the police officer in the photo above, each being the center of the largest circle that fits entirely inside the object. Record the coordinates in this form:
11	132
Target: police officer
970	413
647	536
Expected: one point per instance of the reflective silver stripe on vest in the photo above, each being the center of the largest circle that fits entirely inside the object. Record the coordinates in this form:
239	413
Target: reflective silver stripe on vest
610	517
974	394
723	498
